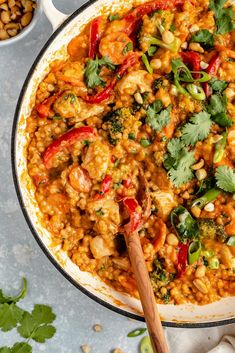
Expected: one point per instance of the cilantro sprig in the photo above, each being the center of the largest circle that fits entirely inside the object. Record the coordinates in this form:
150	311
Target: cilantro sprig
224	16
225	178
178	162
157	117
92	71
197	129
31	326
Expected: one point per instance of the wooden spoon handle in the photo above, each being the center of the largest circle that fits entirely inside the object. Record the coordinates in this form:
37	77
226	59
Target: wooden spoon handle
146	294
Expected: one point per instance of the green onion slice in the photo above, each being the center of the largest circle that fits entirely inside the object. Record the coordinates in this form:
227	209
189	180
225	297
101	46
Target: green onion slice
145	345
194	252
213	263
196	92
147	64
137	332
231	241
209	196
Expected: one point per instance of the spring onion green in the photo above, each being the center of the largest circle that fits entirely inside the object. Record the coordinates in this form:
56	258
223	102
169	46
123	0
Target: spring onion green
194	252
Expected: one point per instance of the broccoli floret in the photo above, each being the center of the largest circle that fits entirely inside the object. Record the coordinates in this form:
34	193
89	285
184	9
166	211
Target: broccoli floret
160	277
209	229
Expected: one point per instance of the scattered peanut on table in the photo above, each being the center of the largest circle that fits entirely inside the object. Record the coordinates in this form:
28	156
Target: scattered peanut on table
15	15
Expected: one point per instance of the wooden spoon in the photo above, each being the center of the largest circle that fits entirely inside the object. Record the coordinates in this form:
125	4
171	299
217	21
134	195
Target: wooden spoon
141	274
146	294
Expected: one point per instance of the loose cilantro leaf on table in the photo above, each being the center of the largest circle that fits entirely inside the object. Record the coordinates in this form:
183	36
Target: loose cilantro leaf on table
7	299
224	16
156	117
21	347
225	178
36	325
197	129
204	37
92	71
10	316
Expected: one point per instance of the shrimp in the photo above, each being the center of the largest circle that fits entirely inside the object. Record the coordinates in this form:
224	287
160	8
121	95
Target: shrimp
80	180
115	46
78	47
96	160
138	80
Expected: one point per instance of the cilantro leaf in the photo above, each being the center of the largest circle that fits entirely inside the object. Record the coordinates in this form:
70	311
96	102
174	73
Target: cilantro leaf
6	299
127	48
5	350
10	315
178	162
217	104
27	325
218	85
43	314
21	347
197	129
44	332
174	147
155	119
217	109
204	37
225	178
92	71
224	16
36	325
114	17
183	172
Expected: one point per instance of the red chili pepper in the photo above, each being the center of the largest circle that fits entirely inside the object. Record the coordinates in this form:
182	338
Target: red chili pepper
135	216
94	37
44	108
105	187
182	258
149	7
106	93
193	60
212	70
66	140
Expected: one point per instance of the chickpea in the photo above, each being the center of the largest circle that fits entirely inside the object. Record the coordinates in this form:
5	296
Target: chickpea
172	239
156	64
200	271
168	37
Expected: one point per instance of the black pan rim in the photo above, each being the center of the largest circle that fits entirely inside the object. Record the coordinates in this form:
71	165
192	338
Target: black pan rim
27	217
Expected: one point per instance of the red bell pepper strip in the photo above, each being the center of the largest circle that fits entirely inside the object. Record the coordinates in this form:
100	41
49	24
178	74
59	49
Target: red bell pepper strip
212	70
106	93
192	60
135	223
105	187
44	108
182	259
94	37
151	6
66	140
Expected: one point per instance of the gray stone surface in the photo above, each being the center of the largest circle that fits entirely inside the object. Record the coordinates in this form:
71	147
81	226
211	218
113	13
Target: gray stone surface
21	256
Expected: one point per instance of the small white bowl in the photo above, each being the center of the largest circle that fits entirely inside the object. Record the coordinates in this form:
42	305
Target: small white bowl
26	30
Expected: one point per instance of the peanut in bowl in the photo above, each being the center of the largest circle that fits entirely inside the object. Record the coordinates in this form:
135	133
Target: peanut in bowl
17	18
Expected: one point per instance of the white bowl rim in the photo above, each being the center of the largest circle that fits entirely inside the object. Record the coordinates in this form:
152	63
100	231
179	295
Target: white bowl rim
27	216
